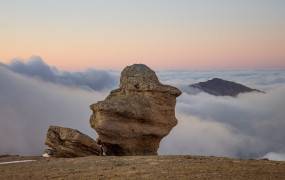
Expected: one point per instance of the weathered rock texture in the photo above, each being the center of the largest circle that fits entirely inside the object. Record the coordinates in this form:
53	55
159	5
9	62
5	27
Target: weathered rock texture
134	118
66	142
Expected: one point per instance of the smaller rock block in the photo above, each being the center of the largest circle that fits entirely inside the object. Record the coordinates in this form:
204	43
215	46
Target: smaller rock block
67	142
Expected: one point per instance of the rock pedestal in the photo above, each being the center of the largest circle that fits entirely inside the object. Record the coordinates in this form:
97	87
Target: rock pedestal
134	118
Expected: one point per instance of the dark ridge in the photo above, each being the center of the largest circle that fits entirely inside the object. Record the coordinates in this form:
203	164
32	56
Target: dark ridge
220	87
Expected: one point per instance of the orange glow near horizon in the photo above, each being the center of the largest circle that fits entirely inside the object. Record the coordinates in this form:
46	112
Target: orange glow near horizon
161	54
176	35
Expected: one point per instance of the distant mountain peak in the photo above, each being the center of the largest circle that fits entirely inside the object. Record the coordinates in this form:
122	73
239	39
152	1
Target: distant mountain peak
220	87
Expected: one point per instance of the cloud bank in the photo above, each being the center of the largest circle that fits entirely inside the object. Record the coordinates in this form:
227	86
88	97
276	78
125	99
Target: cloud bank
274	156
28	106
34	95
257	79
90	79
249	126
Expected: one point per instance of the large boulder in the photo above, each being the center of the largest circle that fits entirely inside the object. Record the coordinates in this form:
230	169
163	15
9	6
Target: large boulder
134	118
67	142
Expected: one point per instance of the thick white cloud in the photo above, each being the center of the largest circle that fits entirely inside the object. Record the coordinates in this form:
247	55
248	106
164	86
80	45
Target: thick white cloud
198	137
274	156
28	106
248	126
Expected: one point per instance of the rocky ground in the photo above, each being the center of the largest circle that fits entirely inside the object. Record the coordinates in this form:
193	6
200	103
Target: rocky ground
141	167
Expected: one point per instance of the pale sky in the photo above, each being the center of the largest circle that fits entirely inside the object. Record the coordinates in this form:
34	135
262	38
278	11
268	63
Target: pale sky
166	34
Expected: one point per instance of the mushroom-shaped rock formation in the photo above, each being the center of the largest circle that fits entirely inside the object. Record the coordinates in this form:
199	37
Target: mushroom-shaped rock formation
133	119
67	142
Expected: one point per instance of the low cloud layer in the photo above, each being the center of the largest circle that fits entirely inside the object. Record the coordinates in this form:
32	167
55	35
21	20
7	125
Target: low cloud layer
28	106
256	79
249	126
90	79
274	156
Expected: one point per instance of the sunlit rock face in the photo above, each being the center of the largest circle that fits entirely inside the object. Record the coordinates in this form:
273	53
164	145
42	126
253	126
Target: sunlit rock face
134	118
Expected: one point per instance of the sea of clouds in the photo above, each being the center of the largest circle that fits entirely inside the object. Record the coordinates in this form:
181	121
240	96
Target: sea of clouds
34	95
